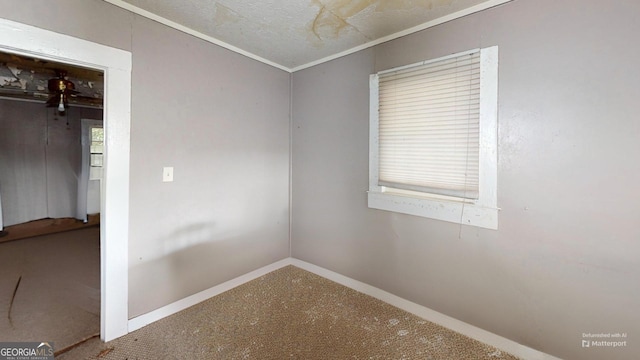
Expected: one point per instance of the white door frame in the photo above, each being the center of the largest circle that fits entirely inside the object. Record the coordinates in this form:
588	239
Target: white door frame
27	40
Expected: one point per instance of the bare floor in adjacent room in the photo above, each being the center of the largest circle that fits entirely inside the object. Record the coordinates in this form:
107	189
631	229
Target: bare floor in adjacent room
50	287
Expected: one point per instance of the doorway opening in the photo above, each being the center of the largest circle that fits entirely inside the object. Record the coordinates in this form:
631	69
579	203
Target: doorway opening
51	267
25	40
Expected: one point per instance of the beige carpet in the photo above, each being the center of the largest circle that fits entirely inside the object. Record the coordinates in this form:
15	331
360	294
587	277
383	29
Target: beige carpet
58	297
290	314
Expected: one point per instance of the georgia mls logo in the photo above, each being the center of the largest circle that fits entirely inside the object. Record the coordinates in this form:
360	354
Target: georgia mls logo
45	346
26	351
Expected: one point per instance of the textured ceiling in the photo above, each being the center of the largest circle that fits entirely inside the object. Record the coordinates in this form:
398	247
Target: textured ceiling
295	33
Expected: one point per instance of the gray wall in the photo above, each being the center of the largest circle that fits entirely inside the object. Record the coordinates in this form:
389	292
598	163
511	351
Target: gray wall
221	120
564	260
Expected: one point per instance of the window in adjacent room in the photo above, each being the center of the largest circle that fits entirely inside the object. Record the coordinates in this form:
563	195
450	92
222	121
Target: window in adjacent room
97	153
433	139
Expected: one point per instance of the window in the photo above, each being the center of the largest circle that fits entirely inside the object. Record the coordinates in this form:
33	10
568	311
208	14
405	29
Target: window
96	149
433	139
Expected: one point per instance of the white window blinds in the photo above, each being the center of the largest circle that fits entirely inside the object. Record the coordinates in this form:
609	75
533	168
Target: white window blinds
428	118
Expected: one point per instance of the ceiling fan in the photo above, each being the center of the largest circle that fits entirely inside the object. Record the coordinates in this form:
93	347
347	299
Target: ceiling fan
60	89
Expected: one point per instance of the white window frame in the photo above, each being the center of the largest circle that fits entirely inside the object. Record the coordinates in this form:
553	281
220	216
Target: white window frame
95	171
482	212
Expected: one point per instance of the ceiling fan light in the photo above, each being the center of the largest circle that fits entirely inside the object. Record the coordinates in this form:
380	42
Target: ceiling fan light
61	104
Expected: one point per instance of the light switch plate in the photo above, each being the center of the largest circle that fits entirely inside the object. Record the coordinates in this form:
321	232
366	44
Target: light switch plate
167	174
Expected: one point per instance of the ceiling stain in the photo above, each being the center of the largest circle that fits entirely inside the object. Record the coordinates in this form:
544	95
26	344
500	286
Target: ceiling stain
348	8
327	25
225	15
333	15
410	5
332	18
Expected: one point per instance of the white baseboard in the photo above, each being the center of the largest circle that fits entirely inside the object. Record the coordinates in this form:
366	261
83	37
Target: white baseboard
155	315
471	331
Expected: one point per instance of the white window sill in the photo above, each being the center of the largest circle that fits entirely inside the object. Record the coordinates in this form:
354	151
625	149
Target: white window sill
459	212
